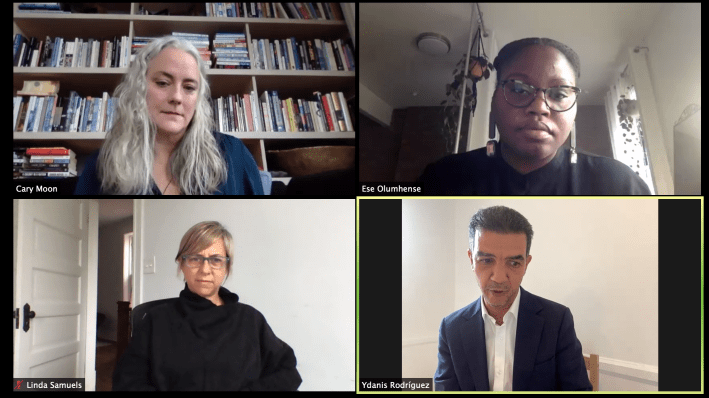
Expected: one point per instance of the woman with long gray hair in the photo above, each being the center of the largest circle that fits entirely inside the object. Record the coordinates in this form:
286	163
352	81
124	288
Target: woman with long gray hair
162	139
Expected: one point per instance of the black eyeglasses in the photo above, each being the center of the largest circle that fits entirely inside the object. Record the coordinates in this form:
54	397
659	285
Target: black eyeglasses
520	94
195	260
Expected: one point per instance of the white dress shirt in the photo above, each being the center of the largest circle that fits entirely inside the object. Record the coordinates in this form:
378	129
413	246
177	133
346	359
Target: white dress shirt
500	346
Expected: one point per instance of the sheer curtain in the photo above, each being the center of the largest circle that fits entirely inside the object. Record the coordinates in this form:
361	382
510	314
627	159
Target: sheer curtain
479	124
629	145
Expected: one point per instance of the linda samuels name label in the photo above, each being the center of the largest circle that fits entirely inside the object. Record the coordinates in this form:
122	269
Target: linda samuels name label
49	384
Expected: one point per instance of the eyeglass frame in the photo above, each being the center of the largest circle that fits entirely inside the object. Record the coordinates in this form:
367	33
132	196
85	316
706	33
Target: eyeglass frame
502	83
208	259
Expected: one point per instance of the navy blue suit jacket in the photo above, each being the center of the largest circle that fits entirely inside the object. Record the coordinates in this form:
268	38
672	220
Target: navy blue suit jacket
547	353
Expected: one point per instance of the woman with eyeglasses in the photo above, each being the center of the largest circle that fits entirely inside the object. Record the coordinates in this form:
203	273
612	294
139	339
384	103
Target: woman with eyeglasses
534	108
206	340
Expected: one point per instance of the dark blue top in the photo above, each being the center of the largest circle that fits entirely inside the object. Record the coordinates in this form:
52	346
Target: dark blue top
242	176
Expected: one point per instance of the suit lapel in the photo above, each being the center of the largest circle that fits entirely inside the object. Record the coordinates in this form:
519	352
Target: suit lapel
529	334
473	336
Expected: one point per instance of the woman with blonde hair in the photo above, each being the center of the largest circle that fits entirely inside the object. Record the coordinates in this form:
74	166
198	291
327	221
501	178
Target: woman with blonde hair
205	339
162	140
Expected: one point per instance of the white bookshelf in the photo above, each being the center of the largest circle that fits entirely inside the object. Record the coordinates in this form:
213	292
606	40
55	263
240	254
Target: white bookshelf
223	82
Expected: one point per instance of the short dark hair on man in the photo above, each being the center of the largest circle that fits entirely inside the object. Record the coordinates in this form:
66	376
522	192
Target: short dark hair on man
502	220
511	50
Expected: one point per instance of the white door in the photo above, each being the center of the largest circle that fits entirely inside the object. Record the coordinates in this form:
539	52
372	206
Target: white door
56	271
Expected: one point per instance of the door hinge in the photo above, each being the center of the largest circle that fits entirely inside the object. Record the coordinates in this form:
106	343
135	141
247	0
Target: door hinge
16	316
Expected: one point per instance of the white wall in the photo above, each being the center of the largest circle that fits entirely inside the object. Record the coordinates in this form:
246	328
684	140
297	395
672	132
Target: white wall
596	256
428	275
294	262
676	35
373	106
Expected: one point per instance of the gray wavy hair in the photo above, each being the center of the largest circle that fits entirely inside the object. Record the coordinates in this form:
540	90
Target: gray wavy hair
125	161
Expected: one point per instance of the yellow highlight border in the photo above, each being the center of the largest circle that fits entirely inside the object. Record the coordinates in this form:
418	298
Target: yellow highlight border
701	198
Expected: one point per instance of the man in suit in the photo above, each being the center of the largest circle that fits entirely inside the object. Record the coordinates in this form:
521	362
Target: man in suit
508	339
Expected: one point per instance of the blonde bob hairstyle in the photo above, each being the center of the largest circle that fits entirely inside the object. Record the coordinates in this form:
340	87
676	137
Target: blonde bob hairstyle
200	237
125	161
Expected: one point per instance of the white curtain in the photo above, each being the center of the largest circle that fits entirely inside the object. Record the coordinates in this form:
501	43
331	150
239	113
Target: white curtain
479	124
628	144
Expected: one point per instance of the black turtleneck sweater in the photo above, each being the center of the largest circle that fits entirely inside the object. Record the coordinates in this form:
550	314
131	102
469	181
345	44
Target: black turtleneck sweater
190	344
474	173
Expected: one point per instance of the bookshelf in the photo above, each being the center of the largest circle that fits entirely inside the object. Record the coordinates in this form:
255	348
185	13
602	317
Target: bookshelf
122	19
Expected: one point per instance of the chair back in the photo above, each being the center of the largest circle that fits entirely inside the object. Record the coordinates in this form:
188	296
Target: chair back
140	310
592	368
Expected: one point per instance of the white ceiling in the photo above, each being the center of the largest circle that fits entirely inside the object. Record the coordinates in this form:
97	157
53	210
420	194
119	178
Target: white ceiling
393	68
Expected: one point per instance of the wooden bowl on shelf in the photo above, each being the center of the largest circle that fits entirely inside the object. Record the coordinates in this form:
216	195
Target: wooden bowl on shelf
313	160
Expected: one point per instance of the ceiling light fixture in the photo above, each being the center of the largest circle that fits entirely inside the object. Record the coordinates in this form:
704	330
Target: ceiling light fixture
433	43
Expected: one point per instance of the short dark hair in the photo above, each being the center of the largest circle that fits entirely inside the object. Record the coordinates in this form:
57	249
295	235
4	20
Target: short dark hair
500	219
510	52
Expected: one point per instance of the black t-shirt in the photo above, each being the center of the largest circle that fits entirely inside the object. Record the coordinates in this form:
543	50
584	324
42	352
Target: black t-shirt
474	173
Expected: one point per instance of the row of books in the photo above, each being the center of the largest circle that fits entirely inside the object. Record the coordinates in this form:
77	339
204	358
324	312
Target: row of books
38	108
233	113
40	7
228	50
46	163
232	51
269	113
313	54
327	11
77	53
53	113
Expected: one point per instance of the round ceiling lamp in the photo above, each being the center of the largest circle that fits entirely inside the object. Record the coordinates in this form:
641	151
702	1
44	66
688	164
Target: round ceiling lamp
433	43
